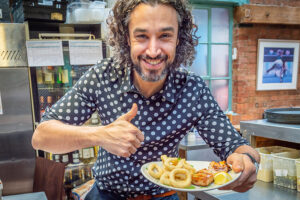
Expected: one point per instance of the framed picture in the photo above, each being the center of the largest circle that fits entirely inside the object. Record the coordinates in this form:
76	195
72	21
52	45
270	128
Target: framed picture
277	64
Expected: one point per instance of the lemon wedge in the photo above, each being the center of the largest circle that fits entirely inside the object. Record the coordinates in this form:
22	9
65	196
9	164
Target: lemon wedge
221	178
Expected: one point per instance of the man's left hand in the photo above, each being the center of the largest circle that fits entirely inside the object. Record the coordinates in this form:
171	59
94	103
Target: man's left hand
241	163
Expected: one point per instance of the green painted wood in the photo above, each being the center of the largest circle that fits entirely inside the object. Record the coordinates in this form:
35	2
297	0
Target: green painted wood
210	43
221	2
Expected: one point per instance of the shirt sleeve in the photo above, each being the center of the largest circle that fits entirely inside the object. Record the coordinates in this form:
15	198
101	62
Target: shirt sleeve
78	104
215	128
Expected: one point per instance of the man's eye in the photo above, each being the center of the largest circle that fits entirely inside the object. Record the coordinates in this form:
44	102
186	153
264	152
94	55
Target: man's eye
165	35
141	36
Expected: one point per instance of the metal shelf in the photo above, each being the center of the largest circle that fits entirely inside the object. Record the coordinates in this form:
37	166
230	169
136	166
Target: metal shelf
277	131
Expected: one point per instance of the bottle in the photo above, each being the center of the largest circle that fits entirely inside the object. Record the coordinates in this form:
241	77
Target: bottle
49	75
95	119
58	97
74	76
96	150
48	155
87	155
49	101
75	157
42	105
65	75
39	76
59	75
65	158
56	157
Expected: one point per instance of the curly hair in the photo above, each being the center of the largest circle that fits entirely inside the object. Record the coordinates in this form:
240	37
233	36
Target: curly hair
118	23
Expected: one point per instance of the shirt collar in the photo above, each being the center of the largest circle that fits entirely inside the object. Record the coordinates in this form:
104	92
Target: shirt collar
167	92
126	81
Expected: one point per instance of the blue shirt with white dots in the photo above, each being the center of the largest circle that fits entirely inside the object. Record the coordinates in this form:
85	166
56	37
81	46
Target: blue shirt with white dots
165	118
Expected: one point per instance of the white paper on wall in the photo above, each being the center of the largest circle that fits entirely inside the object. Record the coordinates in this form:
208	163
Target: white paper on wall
45	53
85	52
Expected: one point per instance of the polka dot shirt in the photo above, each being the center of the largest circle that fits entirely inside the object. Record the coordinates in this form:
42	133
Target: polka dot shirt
165	118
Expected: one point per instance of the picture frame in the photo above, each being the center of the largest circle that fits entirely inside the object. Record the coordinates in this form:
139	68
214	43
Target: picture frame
277	64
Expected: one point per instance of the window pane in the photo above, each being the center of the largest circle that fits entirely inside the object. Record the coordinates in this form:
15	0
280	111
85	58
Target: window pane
200	63
219	60
201	20
220	92
220	24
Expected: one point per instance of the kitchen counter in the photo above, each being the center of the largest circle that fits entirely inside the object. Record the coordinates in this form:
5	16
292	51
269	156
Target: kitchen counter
192	142
28	196
193	147
261	190
277	131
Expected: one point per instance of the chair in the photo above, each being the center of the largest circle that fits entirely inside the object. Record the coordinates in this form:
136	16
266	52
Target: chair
49	177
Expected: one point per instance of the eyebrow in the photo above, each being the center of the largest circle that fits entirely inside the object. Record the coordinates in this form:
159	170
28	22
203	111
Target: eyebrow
140	30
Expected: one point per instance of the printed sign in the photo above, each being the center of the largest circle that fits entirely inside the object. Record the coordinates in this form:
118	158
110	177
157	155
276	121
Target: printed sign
84	52
44	53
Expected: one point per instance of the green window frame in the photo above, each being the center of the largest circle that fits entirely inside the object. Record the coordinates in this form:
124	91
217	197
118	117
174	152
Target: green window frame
223	2
209	78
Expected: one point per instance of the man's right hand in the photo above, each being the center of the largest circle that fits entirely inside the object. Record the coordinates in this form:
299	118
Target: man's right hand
121	137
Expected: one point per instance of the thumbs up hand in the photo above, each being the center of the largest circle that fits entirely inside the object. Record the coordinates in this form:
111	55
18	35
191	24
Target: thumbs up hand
121	137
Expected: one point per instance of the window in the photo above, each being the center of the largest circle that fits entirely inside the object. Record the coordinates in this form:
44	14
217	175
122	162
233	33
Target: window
213	54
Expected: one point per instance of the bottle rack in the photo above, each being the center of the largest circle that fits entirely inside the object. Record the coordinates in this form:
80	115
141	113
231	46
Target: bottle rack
78	169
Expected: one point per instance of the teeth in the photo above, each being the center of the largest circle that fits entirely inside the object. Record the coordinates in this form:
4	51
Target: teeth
153	62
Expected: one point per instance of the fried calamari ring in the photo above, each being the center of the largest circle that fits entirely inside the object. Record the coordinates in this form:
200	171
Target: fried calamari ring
202	177
173	163
189	167
163	158
155	171
179	182
165	178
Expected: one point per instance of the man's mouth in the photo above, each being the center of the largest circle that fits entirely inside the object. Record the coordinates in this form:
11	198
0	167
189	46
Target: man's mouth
153	61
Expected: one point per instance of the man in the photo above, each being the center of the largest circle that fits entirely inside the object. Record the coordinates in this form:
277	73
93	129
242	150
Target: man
146	104
279	66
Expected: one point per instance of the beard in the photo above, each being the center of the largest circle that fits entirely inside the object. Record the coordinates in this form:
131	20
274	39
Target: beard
152	75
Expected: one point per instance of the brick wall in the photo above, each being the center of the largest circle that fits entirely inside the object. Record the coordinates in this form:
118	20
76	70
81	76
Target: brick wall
277	2
247	102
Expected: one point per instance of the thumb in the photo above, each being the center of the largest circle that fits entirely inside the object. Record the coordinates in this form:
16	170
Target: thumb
130	114
236	162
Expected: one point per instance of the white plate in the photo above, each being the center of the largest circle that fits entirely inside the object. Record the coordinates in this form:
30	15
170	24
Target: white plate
194	188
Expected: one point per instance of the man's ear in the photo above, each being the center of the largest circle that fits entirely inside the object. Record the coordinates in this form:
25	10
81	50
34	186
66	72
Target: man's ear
128	40
177	42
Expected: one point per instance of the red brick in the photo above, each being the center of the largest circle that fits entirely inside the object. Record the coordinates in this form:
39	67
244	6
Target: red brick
244	68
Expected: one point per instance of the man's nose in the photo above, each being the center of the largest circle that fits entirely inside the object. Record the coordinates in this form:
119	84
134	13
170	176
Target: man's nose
153	48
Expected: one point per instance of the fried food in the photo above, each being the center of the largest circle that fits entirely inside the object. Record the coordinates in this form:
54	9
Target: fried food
216	167
180	178
155	171
202	177
176	172
189	167
165	178
173	163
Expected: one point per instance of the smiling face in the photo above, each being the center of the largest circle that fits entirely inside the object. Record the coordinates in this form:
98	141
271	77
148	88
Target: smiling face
153	39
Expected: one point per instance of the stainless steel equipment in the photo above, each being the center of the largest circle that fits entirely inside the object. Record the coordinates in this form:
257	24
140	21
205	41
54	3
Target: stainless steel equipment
1	188
17	157
283	115
12	45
